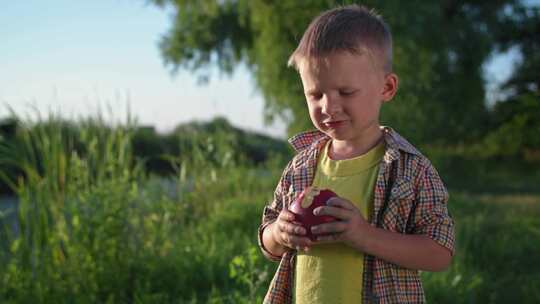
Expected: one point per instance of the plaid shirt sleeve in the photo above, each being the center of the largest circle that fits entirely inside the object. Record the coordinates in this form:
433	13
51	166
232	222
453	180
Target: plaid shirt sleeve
431	216
272	210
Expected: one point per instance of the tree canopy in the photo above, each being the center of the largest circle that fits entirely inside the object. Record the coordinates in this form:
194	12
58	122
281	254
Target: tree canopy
440	48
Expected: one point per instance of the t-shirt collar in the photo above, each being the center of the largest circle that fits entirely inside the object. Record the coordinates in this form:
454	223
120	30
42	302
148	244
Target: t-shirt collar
316	138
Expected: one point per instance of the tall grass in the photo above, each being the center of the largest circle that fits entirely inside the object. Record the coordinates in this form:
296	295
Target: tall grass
76	212
497	246
93	227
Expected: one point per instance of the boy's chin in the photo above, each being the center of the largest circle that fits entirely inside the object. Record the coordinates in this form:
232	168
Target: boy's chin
335	134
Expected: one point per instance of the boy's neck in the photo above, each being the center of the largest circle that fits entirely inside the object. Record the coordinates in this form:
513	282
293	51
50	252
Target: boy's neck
342	149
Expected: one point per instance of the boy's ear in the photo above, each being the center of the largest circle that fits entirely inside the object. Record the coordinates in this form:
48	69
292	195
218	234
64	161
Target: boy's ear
391	82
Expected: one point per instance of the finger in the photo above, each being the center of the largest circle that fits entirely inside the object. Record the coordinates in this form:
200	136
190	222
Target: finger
300	241
329	238
292	228
285	239
332	227
340	202
286	215
340	213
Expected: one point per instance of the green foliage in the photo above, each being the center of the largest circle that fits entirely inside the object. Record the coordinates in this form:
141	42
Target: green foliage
213	138
96	228
515	130
111	233
439	49
216	137
67	212
515	119
495	260
245	269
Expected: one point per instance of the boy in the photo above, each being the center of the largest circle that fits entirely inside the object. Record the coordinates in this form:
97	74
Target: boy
391	209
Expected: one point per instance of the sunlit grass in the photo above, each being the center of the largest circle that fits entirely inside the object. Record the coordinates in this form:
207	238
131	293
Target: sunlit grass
496	260
93	227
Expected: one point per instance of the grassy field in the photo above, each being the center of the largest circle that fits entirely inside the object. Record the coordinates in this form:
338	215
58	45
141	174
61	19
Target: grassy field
96	228
496	261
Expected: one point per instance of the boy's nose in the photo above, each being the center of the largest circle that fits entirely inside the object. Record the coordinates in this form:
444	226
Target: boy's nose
330	106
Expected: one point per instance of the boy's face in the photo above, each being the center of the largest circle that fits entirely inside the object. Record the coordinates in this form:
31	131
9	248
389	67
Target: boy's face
349	89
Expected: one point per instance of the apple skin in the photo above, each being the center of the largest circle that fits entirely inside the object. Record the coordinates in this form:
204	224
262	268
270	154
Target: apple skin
305	203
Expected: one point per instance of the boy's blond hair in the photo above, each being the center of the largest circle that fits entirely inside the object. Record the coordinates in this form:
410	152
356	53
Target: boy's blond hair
353	28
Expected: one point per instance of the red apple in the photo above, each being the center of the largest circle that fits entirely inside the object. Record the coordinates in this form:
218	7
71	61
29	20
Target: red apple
303	206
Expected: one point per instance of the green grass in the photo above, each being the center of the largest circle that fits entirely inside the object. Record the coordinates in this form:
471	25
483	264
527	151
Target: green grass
496	260
95	227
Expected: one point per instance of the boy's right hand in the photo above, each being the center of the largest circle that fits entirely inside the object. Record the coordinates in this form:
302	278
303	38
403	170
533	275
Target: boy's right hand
289	234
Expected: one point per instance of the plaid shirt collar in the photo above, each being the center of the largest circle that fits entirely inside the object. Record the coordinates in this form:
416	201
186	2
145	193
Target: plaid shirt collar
394	142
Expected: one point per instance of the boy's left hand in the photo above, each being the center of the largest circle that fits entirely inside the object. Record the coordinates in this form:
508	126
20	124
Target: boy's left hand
351	228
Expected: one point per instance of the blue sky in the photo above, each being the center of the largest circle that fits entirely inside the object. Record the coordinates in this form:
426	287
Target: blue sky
76	56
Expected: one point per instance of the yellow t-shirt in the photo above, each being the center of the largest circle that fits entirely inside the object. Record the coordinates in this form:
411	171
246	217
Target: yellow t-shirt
332	273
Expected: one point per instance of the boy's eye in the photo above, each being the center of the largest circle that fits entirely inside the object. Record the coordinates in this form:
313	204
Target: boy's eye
315	96
346	93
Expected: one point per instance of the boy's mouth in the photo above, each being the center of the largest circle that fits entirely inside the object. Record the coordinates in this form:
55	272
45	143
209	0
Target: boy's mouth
334	124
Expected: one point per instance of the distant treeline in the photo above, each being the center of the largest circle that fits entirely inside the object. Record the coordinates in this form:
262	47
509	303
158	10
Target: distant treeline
513	147
159	150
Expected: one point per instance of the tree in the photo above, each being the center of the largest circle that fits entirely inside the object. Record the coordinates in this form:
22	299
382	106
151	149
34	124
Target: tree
439	49
515	118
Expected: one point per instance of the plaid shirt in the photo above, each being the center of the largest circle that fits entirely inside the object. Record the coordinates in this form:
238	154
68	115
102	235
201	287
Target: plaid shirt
409	198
